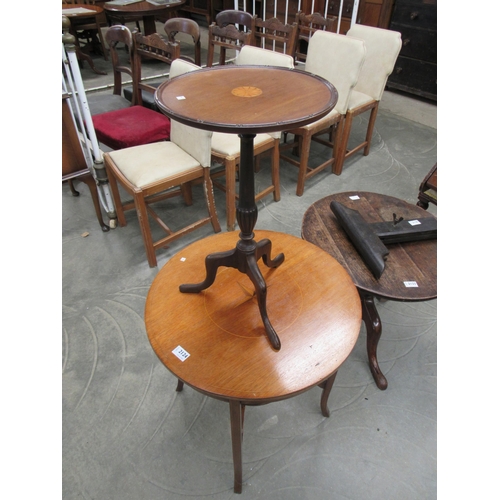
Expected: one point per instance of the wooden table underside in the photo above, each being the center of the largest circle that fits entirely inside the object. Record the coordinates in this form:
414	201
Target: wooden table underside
312	302
407	262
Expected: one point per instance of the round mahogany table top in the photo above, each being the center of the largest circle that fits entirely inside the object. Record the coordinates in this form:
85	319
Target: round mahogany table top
143	8
95	9
246	99
407	263
311	301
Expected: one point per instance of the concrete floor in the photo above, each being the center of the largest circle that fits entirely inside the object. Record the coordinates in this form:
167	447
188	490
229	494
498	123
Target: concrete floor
126	433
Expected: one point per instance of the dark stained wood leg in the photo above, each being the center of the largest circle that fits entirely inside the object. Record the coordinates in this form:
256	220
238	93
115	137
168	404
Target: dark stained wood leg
327	387
74	192
373	334
237	411
180	385
149	25
247	252
89	180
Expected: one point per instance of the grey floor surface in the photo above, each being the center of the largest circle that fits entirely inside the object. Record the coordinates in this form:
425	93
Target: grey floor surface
126	433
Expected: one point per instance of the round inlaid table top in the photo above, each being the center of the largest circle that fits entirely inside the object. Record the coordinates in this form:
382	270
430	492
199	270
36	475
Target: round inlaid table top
215	340
410	272
246	99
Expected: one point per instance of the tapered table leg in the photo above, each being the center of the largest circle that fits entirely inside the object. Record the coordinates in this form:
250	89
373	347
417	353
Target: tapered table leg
327	388
237	411
373	334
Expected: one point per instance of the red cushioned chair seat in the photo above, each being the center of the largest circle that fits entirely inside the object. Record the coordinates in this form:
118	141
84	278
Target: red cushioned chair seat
131	126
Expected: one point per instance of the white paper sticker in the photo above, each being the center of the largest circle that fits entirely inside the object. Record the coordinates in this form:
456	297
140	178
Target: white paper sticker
411	284
414	222
355	197
181	353
180	98
183	259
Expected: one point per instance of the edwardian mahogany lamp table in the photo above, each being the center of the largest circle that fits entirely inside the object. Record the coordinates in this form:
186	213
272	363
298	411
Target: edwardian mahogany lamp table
410	272
216	343
246	100
123	12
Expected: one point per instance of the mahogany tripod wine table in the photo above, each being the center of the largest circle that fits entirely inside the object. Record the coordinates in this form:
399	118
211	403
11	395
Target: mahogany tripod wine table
215	342
410	273
246	100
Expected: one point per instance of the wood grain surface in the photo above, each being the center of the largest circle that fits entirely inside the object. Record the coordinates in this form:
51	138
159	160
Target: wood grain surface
312	303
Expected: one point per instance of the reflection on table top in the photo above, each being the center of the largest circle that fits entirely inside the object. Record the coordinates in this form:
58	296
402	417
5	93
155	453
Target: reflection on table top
246	99
80	10
312	303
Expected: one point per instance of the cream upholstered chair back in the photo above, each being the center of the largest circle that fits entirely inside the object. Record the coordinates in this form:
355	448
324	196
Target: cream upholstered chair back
181	66
194	141
338	59
263	57
382	50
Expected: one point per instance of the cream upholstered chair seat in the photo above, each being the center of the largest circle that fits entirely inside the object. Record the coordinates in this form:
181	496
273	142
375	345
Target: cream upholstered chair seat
338	59
358	99
226	147
382	50
153	172
163	159
229	144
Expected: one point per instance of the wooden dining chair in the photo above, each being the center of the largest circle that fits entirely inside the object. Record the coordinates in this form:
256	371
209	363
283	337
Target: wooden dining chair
135	124
149	47
188	27
243	20
382	50
154	172
338	59
307	25
232	29
272	34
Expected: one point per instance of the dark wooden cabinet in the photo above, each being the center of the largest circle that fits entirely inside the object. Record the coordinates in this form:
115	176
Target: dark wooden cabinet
416	68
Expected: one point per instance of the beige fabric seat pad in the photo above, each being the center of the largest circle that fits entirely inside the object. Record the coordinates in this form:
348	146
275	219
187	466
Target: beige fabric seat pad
144	165
333	114
229	144
358	99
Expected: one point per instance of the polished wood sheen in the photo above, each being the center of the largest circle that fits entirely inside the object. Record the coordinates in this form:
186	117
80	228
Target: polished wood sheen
289	98
407	262
312	303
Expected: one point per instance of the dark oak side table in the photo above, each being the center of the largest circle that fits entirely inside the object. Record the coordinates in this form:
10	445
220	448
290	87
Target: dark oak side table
411	269
246	100
216	343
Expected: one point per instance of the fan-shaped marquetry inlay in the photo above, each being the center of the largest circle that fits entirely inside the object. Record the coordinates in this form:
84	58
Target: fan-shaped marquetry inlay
246	91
